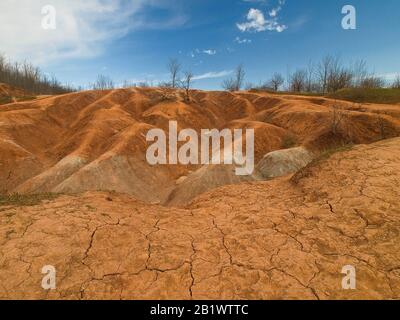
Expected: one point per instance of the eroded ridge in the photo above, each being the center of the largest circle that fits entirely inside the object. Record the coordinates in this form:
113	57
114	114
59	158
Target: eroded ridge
96	140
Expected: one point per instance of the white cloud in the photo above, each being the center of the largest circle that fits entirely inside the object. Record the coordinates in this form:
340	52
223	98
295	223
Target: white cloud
274	12
210	52
280	28
213	75
83	27
256	21
242	41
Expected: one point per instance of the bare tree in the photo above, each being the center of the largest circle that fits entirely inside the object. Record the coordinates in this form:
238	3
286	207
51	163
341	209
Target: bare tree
174	68
128	84
103	83
310	76
187	83
239	76
235	83
332	76
396	82
165	85
229	84
323	70
29	78
338	76
276	81
298	81
360	72
372	82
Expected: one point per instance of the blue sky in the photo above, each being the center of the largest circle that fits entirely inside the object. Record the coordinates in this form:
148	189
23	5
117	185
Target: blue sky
133	39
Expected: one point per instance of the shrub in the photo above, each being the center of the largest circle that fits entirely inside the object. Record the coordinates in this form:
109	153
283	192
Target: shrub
289	141
365	95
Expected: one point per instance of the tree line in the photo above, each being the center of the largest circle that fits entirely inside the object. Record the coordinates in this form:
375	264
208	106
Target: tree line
327	76
179	79
30	78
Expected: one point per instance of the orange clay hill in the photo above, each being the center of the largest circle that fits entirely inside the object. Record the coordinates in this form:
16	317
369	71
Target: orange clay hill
78	194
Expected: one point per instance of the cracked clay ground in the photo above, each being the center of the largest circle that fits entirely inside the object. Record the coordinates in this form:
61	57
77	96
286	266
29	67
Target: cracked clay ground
284	239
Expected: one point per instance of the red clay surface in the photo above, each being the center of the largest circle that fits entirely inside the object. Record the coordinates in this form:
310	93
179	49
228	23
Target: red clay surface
282	239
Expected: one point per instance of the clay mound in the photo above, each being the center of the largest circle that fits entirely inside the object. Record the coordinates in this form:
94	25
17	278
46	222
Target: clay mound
283	162
187	116
205	179
267	137
123	168
95	140
279	239
128	175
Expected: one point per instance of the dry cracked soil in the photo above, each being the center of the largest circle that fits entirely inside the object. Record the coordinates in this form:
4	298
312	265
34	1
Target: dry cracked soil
286	238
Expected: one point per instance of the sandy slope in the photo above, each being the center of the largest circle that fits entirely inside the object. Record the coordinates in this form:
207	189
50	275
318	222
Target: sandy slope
286	238
92	141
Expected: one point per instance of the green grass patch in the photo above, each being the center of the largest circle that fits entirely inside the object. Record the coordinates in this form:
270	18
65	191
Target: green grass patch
359	95
5	100
289	141
288	93
326	154
9	99
26	98
27	200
